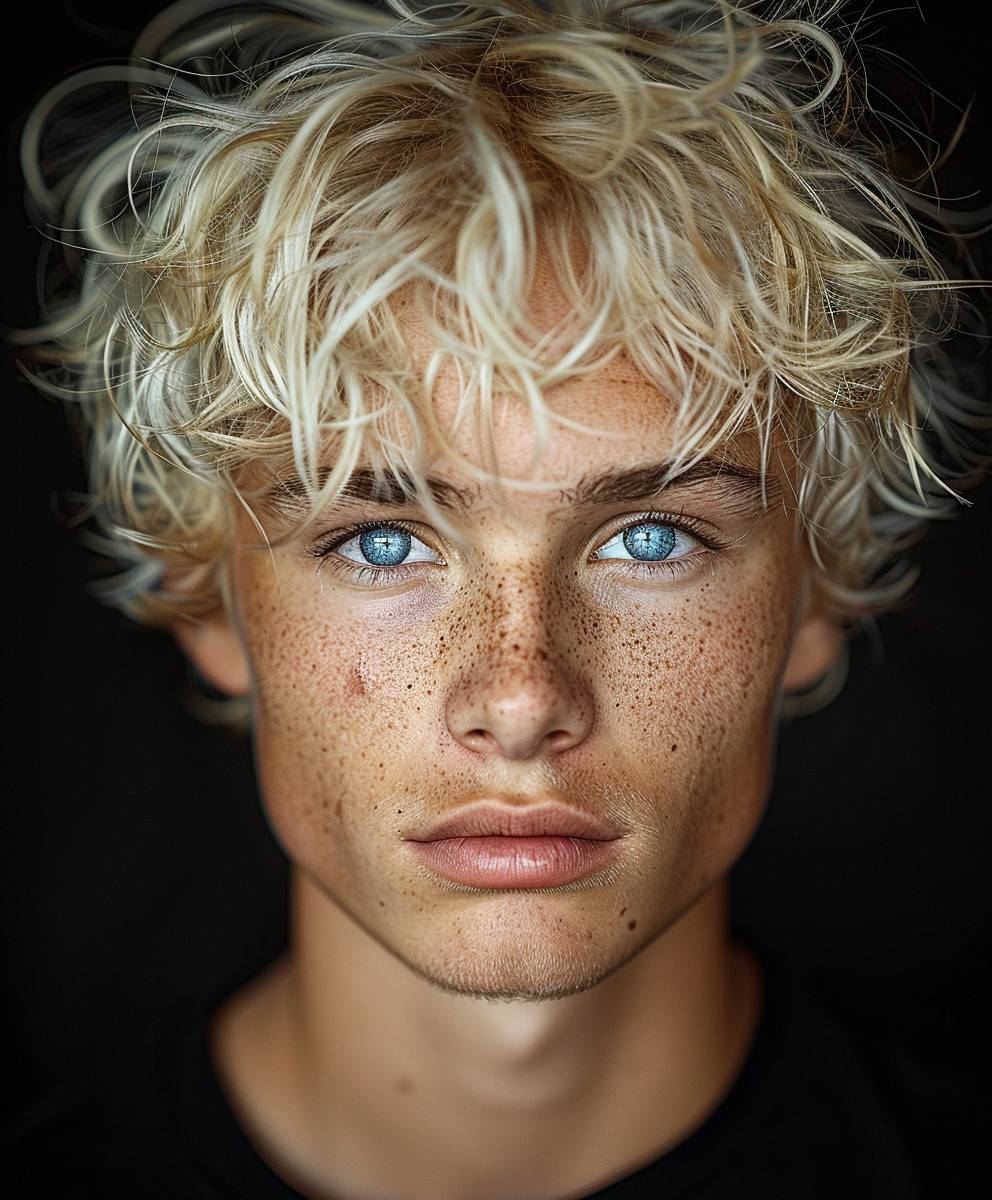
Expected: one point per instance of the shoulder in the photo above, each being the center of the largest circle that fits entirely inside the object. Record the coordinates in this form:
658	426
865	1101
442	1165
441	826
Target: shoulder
894	1082
110	1134
925	1057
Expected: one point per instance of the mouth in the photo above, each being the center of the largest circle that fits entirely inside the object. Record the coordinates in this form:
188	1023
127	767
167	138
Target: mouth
490	818
494	845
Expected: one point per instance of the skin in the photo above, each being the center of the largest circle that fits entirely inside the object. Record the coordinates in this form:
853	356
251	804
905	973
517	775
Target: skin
422	1041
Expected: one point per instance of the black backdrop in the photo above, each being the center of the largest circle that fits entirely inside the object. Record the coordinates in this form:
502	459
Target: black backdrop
137	866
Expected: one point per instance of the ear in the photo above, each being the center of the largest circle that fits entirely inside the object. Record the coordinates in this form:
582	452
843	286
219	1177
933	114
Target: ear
816	645
213	645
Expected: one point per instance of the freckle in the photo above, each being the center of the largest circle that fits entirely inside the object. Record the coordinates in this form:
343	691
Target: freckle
337	809
631	924
623	910
405	1086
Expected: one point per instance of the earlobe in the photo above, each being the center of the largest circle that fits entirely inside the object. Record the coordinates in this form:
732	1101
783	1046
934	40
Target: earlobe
816	646
213	646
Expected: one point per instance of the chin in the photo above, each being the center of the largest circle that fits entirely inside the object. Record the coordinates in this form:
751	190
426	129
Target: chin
520	970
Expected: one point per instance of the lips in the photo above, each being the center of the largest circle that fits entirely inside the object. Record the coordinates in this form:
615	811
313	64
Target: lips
494	819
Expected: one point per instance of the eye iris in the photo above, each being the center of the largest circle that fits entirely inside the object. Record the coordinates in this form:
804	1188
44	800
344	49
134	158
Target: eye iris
385	546
649	541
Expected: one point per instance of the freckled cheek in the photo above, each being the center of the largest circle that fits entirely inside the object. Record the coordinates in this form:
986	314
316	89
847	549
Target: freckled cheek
688	708
310	667
712	658
334	718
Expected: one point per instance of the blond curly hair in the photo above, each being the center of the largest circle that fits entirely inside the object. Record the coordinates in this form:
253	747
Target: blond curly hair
235	235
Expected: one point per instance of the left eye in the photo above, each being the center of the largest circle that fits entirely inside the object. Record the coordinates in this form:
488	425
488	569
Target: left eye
647	541
385	546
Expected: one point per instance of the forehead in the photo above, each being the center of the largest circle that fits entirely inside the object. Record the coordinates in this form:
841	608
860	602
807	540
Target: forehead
623	457
610	414
613	416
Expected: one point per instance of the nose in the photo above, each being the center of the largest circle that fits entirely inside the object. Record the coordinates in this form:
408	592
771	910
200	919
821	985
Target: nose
519	699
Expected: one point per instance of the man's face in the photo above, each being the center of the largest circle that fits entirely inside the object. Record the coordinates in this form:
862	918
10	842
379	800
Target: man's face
539	659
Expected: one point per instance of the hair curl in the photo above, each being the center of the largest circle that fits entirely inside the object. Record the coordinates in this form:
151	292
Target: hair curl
233	242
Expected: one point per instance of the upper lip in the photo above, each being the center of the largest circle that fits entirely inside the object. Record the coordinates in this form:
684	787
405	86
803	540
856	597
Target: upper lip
493	819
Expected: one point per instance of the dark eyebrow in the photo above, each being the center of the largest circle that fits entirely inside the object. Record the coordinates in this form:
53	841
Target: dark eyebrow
627	485
637	483
394	487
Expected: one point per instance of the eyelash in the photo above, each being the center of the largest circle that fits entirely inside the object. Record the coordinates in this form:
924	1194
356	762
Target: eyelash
323	550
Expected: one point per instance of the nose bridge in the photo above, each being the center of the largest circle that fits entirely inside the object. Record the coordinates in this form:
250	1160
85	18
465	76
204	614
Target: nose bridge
523	615
524	632
518	694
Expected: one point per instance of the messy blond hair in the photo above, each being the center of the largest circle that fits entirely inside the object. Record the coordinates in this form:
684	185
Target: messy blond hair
235	239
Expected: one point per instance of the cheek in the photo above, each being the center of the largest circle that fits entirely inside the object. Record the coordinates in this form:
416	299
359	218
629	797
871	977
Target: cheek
690	709
705	662
337	700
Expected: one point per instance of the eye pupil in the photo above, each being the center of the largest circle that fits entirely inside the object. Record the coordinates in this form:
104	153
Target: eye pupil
385	546
650	540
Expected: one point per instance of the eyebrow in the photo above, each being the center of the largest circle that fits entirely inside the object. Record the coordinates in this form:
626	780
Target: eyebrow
626	485
638	483
393	488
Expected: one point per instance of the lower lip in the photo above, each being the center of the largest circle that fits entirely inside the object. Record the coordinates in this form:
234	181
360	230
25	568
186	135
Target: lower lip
515	862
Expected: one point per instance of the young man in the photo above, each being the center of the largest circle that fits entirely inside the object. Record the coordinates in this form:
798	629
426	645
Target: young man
511	408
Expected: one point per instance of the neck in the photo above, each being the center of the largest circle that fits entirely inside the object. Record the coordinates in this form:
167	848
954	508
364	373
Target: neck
340	1050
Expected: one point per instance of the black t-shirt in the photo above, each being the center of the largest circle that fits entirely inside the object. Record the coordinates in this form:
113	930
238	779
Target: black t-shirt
837	1099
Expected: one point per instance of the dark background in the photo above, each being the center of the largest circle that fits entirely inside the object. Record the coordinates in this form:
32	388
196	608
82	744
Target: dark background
136	863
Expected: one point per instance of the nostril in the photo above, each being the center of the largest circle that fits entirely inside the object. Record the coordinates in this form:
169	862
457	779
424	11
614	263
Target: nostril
559	739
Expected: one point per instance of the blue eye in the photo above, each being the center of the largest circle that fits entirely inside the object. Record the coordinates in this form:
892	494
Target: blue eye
377	551
647	541
385	546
